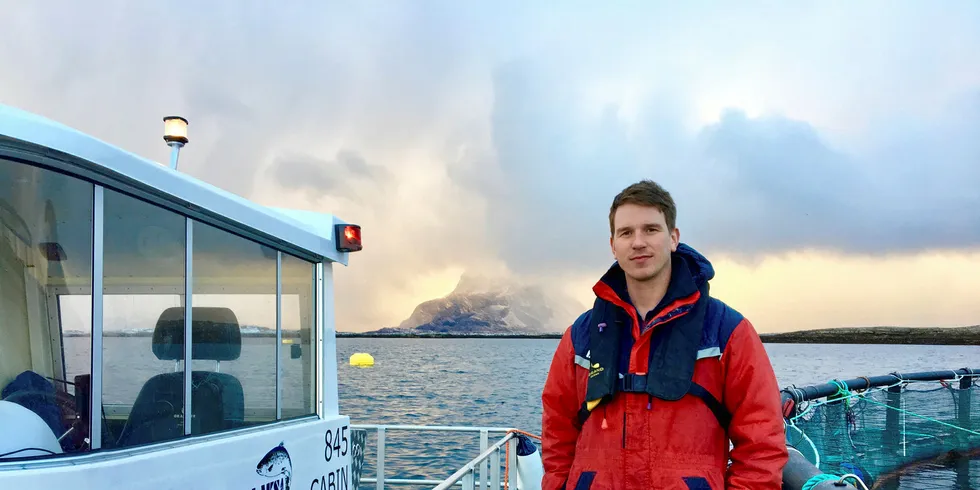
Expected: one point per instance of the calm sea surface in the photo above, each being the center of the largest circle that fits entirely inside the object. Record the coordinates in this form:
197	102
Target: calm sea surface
482	382
498	382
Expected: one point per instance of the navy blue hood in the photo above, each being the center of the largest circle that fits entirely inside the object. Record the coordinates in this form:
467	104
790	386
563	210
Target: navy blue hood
690	272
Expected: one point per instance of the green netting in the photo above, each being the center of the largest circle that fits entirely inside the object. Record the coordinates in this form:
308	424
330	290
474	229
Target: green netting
893	433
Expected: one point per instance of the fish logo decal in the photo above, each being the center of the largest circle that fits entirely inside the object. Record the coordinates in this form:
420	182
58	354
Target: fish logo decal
276	462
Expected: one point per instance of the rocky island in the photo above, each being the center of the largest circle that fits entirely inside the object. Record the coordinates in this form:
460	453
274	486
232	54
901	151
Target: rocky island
488	307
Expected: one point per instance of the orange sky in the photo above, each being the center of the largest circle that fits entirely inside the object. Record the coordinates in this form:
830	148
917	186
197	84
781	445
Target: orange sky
811	290
794	291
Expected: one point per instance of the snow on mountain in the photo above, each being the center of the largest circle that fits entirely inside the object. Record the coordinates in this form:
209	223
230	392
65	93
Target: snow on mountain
493	304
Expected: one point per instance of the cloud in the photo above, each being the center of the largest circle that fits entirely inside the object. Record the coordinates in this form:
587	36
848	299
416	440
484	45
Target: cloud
470	137
745	186
341	176
788	189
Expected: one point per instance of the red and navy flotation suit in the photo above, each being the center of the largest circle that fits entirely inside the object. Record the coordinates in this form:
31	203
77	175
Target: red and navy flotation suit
686	326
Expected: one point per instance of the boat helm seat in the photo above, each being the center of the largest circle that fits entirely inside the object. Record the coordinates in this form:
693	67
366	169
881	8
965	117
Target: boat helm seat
217	399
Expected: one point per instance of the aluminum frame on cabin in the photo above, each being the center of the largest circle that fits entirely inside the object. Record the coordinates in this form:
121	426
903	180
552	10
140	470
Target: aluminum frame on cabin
278	335
95	376
329	404
188	323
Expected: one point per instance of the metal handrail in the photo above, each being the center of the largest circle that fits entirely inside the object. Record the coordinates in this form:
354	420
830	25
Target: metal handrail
812	392
466	476
381	431
490	454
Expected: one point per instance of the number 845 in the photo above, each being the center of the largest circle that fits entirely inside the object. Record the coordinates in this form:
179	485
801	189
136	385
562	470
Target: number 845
337	442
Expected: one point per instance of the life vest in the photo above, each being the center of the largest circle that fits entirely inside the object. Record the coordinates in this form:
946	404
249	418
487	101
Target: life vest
673	353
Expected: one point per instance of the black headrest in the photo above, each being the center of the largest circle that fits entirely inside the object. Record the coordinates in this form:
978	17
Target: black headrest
215	331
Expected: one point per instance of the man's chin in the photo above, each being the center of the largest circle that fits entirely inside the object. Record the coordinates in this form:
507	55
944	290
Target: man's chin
641	275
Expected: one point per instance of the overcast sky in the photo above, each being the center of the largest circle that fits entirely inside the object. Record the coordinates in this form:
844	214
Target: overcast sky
836	140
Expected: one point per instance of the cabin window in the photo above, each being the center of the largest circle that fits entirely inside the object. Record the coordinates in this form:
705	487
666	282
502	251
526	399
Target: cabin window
45	282
298	358
252	313
143	283
234	284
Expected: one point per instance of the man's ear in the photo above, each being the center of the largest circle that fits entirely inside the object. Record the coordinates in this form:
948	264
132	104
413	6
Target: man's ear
675	239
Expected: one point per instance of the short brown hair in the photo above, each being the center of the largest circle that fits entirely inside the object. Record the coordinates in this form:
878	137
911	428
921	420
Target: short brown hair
645	193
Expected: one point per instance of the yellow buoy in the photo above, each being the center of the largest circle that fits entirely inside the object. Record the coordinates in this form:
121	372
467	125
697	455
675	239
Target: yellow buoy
361	359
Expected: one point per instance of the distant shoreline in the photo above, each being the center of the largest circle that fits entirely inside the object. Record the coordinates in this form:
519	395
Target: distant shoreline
866	336
286	334
879	336
413	335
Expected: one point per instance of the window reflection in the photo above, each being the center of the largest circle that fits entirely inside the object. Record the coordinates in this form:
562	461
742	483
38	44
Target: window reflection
46	247
45	275
234	331
143	383
296	352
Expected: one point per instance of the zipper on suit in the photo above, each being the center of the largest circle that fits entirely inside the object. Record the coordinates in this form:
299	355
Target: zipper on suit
624	427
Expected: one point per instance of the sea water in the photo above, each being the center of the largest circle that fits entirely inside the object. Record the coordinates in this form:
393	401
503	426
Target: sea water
480	382
498	382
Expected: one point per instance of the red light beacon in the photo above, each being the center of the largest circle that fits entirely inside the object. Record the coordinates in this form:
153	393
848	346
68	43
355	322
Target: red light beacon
348	237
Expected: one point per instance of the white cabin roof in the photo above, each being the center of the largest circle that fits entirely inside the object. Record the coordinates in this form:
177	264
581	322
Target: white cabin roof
309	231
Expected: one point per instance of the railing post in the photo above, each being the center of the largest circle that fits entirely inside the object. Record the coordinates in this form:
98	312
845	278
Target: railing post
963	463
468	480
512	457
484	443
894	432
495	470
380	484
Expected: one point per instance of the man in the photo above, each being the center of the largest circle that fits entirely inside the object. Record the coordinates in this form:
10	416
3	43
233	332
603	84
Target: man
608	424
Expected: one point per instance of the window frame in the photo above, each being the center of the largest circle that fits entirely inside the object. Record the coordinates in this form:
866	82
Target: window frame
322	329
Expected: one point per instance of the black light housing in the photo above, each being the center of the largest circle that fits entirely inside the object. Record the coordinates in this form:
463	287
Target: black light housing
348	237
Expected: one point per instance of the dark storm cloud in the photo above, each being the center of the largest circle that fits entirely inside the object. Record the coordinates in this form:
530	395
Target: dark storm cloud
780	186
745	186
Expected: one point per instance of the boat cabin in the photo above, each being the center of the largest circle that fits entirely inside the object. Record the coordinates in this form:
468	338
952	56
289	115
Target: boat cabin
156	331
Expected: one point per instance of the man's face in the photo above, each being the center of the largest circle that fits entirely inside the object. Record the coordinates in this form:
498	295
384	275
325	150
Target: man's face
641	241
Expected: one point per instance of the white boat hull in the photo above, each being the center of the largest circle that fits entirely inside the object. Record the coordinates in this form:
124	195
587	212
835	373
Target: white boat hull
225	462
